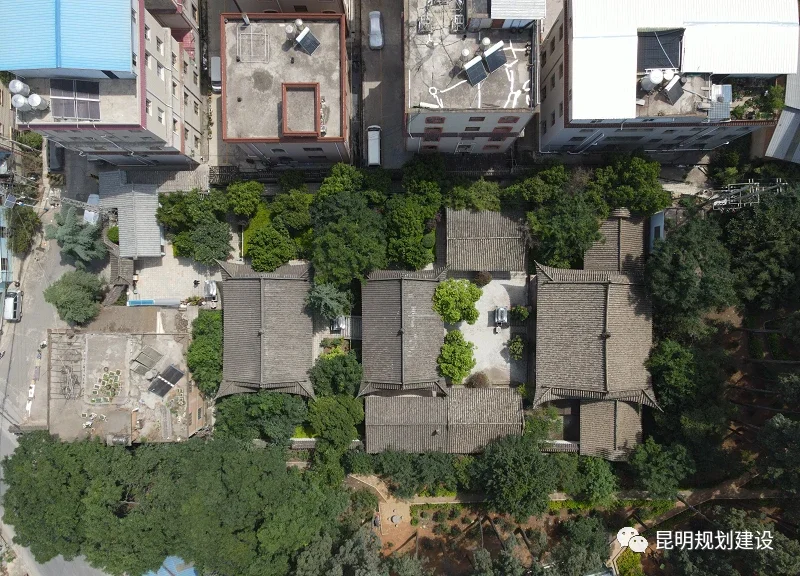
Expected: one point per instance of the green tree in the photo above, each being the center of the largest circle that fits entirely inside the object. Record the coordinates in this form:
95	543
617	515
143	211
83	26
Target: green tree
660	469
598	482
336	374
270	248
334	420
244	197
211	241
478	195
291	211
673	368
76	296
408	565
780	454
405	228
204	357
291	180
688	275
454	300
267	415
516	477
348	250
31	139
456	358
76	238
23	224
328	301
113	234
583	548
195	224
563	229
631	182
789	387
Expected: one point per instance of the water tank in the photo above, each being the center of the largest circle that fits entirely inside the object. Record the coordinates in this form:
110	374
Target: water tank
19	87
299	25
647	85
485	43
656	76
19	102
290	31
465	54
669	74
37	102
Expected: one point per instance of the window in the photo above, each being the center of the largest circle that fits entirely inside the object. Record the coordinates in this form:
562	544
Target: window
654	140
584	130
577	139
489	147
560	32
185	133
560	70
553	118
657	233
595	121
75	99
430	147
543	57
147	60
468	137
434	120
463	148
199	413
196	78
185	99
432	134
133	58
159	46
148	107
544	127
318	157
175	125
185	67
160	70
4	264
278	151
477	118
160	116
196	141
670	131
312	149
552	45
298	8
147	32
560	109
194	17
3	233
553	81
133	16
472	129
174	59
508	120
544	92
174	88
497	133
196	107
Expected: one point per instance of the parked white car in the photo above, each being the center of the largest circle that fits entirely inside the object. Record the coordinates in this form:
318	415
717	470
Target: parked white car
375	30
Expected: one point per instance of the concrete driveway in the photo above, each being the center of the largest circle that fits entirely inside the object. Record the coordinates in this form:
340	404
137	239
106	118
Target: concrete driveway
382	84
491	353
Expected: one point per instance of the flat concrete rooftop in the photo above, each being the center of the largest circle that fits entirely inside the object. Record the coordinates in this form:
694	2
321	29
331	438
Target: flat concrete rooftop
259	59
434	69
656	103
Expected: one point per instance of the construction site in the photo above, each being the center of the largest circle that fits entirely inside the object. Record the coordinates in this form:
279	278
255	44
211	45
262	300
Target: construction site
122	388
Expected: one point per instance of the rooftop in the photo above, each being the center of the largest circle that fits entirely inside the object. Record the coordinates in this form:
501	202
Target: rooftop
621	248
611	46
68	34
485	241
136	205
436	78
462	422
269	332
297	88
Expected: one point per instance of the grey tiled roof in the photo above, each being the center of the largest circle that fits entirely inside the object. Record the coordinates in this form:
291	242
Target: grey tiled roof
622	247
593	336
136	204
268	339
485	241
609	429
401	333
121	271
462	422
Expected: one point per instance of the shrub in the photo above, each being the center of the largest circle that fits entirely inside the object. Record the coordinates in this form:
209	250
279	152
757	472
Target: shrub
429	240
776	350
292	180
438	516
516	347
455	530
270	248
76	296
113	234
244	198
32	139
755	346
466	520
23	226
477	380
328	301
629	563
456	359
519	313
482	279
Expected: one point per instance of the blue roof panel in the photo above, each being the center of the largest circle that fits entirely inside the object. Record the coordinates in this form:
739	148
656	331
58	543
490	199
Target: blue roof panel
22	21
76	34
174	566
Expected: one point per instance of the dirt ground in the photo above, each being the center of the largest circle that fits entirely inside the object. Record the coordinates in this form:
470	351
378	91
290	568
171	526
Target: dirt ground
122	319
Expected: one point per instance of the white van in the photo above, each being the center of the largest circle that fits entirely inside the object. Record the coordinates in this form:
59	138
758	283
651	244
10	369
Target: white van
374	146
216	75
12	308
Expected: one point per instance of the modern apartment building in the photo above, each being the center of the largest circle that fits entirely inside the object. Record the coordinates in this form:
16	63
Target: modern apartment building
661	76
470	74
285	87
785	141
116	82
296	6
6	124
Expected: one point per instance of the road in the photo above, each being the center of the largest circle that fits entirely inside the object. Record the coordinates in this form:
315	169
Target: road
20	343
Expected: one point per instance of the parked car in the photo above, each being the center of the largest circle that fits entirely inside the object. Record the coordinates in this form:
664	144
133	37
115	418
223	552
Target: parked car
375	30
216	75
500	316
12	308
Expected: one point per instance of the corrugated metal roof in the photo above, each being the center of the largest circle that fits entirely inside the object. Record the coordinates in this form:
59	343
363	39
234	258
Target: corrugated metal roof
785	142
174	566
742	38
73	34
136	204
518	9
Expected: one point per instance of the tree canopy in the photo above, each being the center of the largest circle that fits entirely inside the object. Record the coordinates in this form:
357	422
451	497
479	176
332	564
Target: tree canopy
267	415
244	197
23	224
269	248
583	548
204	357
660	469
328	301
454	300
336	373
405	228
76	296
631	182
76	238
456	358
195	224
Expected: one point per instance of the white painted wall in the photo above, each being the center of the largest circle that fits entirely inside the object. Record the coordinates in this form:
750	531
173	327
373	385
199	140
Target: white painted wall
298	152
